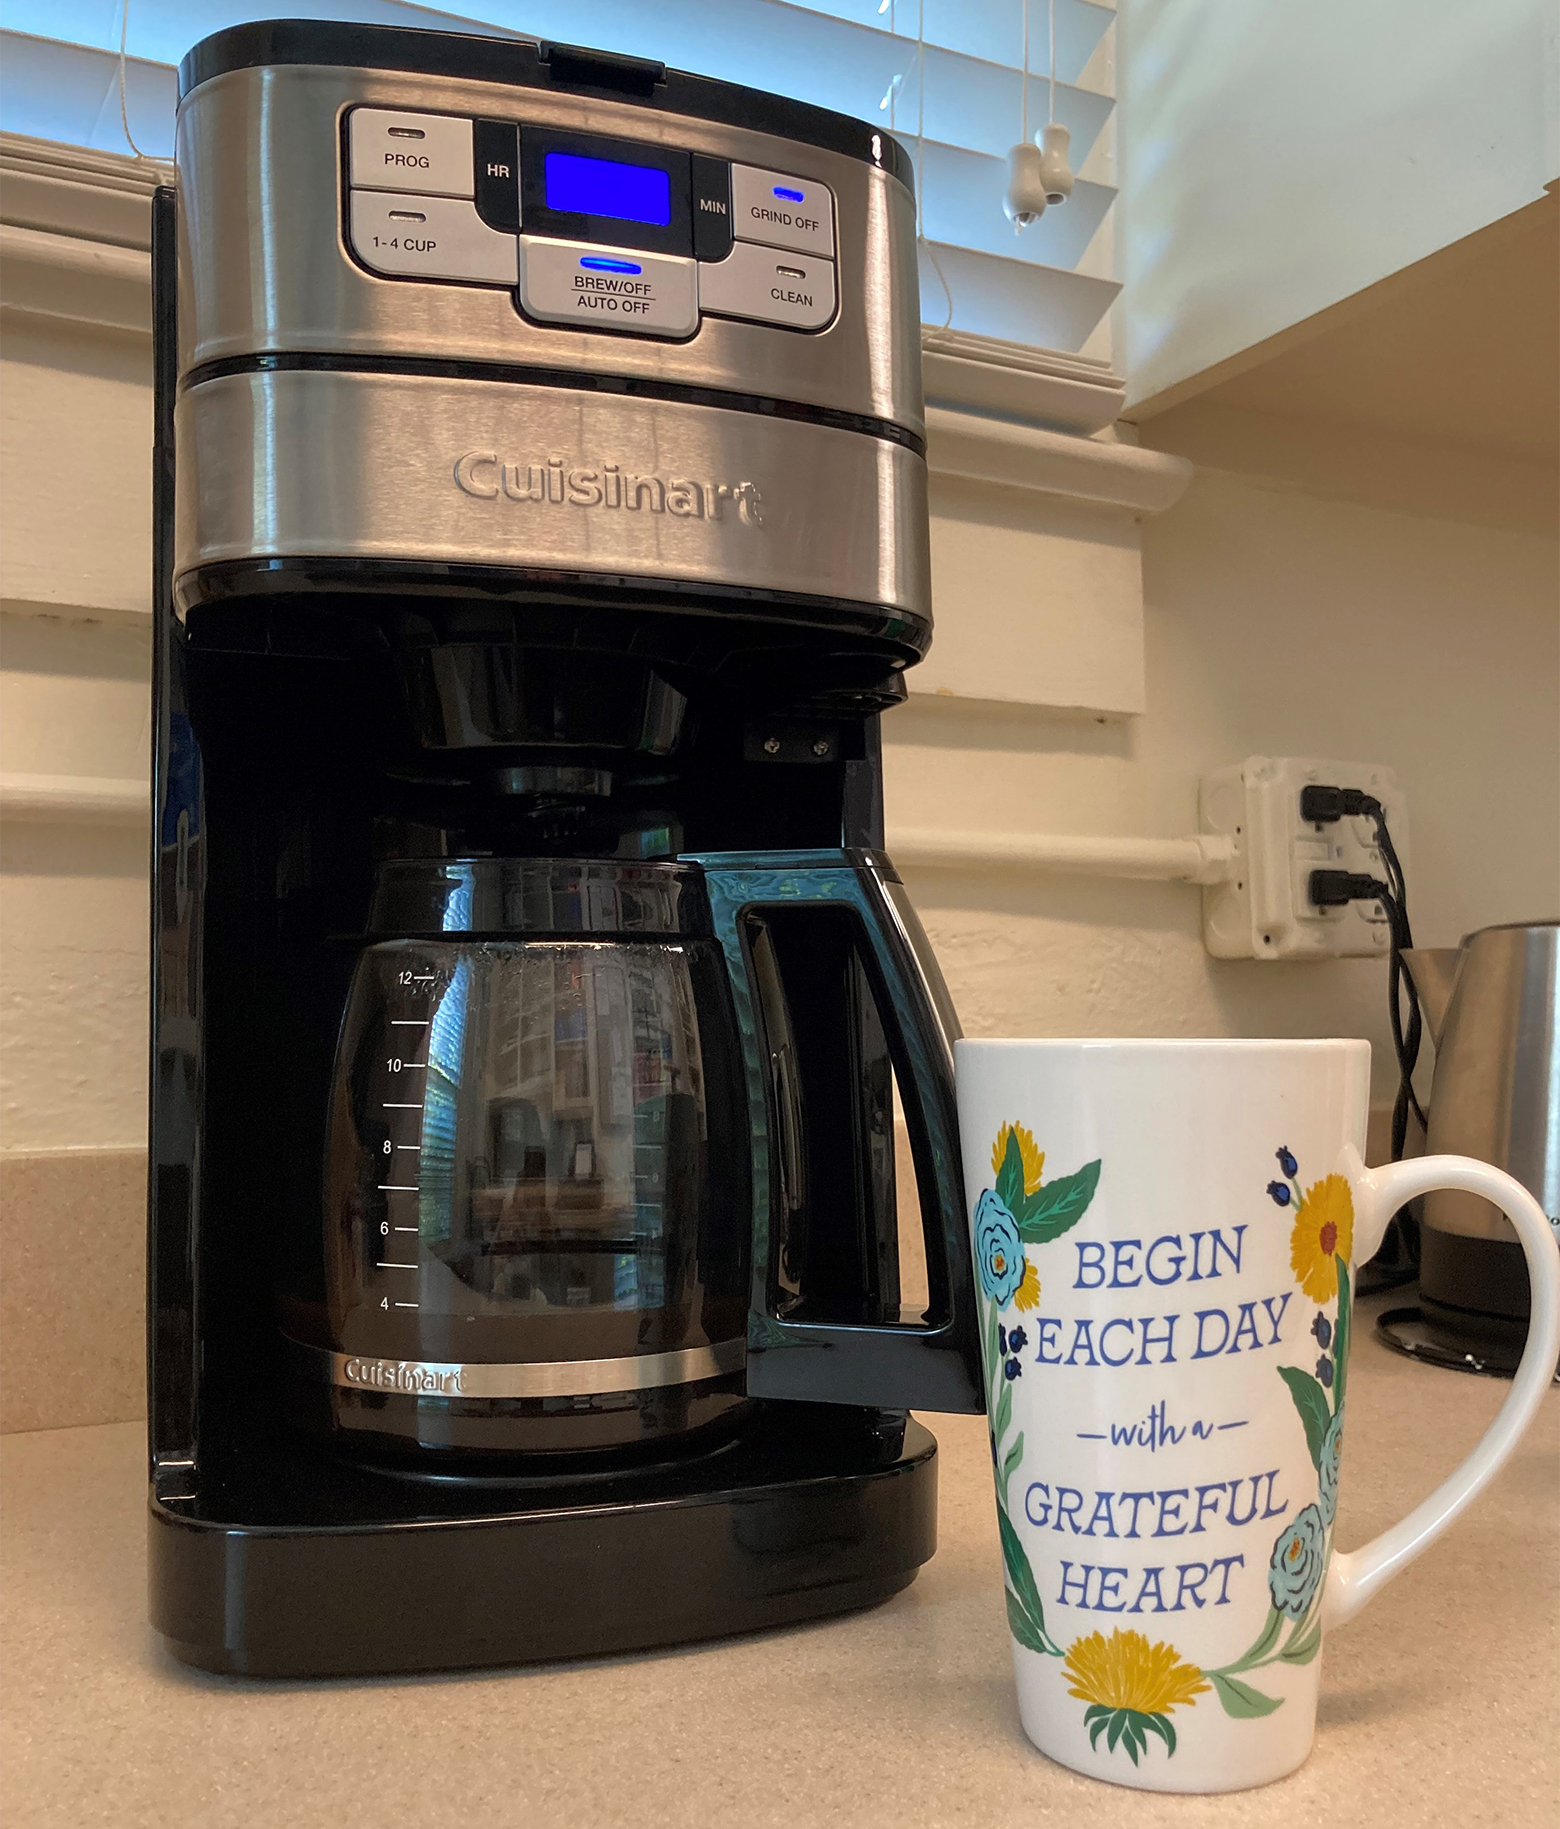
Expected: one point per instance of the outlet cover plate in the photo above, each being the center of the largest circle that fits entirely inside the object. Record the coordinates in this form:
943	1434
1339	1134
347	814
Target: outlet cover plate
1263	910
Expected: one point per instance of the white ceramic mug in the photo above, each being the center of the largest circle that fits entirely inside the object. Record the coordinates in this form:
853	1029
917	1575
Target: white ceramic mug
1165	1238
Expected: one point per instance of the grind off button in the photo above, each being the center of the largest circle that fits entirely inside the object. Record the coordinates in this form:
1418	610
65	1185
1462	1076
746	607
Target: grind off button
782	211
603	288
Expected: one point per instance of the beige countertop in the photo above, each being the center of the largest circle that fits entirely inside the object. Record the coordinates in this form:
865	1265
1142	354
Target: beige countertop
1440	1705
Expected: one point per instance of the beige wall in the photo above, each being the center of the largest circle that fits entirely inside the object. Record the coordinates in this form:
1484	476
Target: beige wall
1280	619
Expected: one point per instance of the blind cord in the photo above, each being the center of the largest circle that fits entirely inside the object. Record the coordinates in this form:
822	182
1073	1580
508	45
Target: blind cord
124	110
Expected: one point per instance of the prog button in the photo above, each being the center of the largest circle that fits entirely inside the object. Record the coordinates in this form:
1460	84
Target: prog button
771	285
426	153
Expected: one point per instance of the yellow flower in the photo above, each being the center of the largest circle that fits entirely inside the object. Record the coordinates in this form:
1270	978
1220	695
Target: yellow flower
1125	1671
1324	1230
1027	1295
1033	1159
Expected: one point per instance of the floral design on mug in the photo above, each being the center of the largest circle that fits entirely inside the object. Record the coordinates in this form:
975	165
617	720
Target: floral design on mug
1021	1210
1320	1245
1299	1557
1131	1687
999	1251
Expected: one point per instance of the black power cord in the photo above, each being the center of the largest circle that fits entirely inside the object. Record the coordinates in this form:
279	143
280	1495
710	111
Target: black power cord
1398	1259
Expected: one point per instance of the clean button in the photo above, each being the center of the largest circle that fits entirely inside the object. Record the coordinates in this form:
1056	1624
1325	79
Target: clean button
430	154
785	212
771	285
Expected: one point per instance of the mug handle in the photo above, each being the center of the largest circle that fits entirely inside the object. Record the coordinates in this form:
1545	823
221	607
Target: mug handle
1354	1578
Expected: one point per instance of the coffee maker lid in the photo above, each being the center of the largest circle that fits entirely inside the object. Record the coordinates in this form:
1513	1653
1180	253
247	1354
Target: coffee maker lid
528	64
538	898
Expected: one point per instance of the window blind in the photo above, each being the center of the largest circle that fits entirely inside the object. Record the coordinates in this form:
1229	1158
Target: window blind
957	103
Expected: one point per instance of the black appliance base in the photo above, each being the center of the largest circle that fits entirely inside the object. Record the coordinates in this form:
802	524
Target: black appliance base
289	1564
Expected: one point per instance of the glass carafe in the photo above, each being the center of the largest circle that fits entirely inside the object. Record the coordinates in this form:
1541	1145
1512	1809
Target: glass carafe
534	1236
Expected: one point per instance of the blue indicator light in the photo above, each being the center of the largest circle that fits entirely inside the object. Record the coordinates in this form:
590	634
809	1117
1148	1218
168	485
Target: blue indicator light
790	196
596	263
578	186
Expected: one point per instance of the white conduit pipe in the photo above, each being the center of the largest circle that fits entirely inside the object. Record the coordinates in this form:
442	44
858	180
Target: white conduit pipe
1208	858
111	799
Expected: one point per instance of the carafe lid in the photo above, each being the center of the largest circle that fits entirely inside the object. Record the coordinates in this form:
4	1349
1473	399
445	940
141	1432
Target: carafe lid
539	897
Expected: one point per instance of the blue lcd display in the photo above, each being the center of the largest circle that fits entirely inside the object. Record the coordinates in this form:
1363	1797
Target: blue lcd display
578	186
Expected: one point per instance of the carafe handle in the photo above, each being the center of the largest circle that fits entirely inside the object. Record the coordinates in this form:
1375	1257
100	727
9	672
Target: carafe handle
931	1367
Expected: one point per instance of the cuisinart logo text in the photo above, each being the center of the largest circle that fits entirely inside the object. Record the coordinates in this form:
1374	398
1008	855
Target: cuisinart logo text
485	475
407	1375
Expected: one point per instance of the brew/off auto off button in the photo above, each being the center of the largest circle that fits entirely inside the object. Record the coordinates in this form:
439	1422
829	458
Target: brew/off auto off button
782	211
606	288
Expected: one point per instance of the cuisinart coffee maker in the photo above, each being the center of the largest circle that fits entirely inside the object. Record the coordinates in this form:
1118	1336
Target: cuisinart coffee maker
541	530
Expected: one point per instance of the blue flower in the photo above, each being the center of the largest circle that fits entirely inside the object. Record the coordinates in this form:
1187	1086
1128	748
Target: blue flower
1002	1340
999	1251
1299	1557
1012	1369
1279	1193
1321	1327
1287	1162
1324	1372
1327	1468
1017	1340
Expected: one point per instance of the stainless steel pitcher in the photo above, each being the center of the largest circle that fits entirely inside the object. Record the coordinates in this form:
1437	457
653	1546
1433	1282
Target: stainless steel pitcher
1492	1006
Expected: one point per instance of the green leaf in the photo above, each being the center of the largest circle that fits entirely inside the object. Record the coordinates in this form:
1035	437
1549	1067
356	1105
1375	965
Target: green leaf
1058	1206
1004	1413
1303	1646
1160	1724
1011	1459
1117	1722
1022	1626
993	1357
1240	1700
1311	1402
1022	1578
1266	1639
1010	1177
1341	1333
1095	1721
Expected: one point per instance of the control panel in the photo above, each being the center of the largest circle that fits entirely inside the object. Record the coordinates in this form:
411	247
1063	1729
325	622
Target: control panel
596	233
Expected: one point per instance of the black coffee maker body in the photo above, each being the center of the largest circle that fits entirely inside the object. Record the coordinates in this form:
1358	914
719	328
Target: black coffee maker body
541	531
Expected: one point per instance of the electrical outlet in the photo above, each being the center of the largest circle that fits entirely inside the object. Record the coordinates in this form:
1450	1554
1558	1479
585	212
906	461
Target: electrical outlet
1264	909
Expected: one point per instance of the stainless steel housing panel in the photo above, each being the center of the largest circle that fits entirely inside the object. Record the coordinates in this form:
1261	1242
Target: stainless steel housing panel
263	267
1496	1094
366	466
